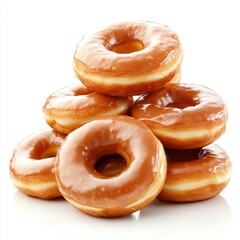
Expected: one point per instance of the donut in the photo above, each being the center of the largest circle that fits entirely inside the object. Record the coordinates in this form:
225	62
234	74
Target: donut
183	116
133	187
195	174
32	164
128	58
72	106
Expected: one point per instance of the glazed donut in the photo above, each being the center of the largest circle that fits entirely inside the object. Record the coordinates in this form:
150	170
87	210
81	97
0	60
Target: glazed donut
135	186
195	174
128	58
183	116
70	107
32	164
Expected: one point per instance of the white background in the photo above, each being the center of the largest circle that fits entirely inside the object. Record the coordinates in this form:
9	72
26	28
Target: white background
38	39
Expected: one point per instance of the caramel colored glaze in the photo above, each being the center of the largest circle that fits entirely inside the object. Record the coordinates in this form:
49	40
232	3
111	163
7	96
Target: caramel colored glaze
196	174
128	191
128	58
32	164
183	115
71	107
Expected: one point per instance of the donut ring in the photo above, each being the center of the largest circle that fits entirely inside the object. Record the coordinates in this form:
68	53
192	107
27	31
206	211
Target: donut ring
196	174
128	58
128	191
71	107
32	164
183	116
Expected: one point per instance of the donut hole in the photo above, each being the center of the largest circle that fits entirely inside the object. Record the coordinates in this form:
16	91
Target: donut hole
49	153
46	153
127	47
180	105
110	165
174	98
180	102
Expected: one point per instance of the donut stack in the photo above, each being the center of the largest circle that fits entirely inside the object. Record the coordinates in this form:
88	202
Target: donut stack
128	132
187	119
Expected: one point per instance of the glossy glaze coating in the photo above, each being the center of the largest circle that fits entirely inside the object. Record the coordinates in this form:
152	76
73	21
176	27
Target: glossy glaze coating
128	58
130	190
183	115
196	174
70	107
32	164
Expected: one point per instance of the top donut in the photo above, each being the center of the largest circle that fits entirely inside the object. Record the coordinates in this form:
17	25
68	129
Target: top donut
128	58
